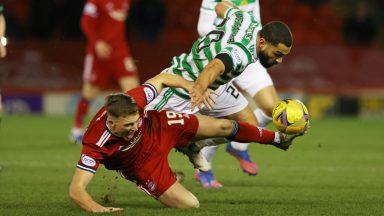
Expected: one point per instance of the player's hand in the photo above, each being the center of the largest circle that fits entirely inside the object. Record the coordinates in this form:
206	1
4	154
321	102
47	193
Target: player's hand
106	209
103	49
198	98
208	99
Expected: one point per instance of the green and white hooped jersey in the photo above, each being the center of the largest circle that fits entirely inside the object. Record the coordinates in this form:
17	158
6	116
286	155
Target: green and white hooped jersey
250	6
235	36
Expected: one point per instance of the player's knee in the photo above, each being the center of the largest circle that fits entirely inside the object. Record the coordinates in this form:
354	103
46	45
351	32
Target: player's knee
193	202
226	127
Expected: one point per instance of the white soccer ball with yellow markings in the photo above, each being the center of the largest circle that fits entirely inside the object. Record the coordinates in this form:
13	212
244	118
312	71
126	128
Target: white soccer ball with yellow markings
290	116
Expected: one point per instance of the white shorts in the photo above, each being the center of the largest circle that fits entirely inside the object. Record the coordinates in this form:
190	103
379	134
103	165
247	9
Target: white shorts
228	101
254	78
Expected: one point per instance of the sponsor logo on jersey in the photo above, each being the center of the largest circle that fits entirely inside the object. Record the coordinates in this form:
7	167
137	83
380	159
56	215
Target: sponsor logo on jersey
86	160
149	94
236	54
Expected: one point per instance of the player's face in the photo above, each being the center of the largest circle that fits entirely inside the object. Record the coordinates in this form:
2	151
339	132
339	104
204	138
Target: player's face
124	127
270	55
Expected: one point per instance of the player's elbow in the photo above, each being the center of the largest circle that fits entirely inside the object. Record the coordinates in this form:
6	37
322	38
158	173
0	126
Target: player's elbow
73	192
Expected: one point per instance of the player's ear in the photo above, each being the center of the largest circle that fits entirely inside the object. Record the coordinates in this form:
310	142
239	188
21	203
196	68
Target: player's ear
262	42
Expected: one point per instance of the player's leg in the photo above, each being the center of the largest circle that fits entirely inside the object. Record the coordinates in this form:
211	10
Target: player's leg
228	102
241	152
1	108
88	94
255	81
177	196
265	99
92	79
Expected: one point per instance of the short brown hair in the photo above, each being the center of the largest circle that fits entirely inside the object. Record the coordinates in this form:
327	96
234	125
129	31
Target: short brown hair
120	105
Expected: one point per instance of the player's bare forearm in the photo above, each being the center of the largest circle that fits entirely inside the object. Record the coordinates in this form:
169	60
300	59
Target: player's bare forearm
222	7
210	73
164	80
78	193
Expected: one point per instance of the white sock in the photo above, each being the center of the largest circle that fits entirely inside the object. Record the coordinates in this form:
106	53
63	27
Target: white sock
208	153
261	117
239	146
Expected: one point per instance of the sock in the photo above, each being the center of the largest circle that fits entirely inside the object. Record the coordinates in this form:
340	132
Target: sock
261	117
208	153
239	146
81	112
245	132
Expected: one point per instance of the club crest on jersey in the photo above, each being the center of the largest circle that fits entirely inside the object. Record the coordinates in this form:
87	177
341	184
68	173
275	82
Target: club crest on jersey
151	185
88	161
149	94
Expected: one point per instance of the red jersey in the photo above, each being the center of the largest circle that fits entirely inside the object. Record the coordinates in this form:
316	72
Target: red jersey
105	20
158	132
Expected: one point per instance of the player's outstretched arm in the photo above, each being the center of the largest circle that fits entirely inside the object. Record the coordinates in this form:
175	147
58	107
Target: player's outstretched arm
209	74
78	193
164	80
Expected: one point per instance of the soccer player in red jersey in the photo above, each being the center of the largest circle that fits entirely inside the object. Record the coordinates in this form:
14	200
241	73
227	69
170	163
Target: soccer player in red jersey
3	43
136	143
107	55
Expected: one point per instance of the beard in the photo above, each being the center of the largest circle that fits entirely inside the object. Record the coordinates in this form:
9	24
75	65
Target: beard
265	60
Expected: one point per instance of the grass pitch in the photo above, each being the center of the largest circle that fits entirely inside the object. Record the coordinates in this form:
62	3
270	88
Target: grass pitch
336	169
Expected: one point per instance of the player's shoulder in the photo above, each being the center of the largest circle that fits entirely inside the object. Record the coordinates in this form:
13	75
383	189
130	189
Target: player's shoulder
97	131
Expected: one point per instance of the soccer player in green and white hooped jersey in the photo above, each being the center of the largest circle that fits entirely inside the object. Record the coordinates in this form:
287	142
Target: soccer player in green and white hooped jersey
254	80
220	56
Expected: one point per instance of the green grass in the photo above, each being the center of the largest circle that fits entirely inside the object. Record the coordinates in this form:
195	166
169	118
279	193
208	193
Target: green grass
336	169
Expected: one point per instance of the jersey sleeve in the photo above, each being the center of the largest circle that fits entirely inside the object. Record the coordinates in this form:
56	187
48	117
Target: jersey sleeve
207	17
239	56
143	95
89	20
90	158
256	11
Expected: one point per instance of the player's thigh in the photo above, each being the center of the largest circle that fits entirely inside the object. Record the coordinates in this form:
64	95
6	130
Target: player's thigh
124	68
95	74
266	99
245	115
212	127
177	196
253	79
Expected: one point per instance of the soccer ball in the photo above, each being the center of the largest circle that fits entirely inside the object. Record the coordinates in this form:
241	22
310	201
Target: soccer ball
290	116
